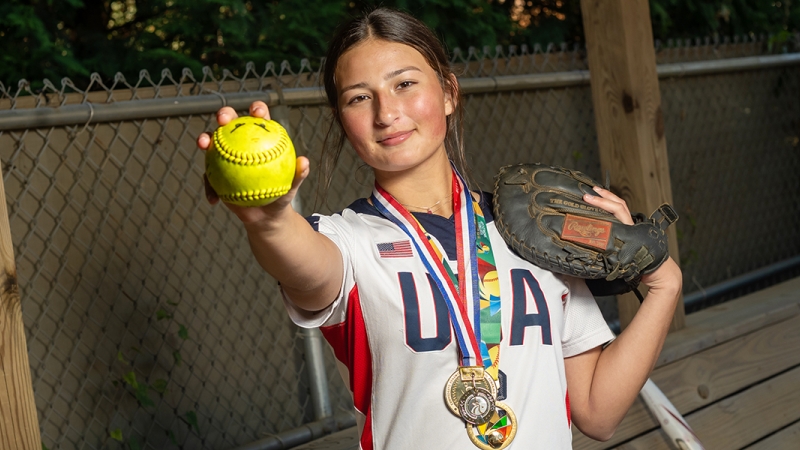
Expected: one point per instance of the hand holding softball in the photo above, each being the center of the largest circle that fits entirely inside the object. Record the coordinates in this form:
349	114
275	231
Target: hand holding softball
250	162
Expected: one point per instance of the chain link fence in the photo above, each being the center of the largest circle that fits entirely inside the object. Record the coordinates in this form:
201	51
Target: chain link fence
151	326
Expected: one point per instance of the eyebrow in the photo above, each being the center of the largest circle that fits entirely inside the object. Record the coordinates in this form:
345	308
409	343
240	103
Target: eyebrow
388	76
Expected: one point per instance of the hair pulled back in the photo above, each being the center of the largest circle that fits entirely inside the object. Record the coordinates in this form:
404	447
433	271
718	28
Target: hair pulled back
392	26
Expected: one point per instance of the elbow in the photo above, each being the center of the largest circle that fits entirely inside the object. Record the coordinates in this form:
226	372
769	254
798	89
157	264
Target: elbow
599	430
599	433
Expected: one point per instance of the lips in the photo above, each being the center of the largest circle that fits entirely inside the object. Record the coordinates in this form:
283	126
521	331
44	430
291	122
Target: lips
395	138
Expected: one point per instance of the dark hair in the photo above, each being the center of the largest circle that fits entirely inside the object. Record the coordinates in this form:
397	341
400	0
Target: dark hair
392	26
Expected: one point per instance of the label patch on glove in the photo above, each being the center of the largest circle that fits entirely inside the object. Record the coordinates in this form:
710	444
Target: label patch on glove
582	230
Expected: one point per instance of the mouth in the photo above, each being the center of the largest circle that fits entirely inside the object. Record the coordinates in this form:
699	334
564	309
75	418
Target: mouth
395	138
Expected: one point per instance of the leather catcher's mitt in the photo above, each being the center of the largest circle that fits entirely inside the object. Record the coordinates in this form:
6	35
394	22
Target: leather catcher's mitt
540	212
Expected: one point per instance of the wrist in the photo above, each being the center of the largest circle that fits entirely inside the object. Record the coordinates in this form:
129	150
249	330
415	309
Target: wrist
667	279
268	219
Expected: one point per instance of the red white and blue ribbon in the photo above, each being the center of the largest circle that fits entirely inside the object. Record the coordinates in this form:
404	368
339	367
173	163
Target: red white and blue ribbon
461	301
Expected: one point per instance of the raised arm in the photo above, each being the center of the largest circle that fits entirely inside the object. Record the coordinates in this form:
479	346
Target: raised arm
306	263
603	383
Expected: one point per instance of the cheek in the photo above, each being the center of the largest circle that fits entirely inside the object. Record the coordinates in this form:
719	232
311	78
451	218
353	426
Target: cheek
431	111
354	126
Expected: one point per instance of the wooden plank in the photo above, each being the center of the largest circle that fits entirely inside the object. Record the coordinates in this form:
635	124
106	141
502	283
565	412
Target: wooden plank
628	115
726	321
787	438
741	419
695	382
19	424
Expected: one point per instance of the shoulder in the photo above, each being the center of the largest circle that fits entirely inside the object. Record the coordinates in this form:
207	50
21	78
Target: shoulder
357	209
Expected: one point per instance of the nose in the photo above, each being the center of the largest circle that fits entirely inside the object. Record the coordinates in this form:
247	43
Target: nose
386	110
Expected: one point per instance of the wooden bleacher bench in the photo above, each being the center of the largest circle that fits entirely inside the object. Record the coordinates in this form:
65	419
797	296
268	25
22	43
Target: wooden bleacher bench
733	373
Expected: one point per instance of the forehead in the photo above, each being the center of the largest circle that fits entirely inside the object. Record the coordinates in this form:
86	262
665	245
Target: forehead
376	58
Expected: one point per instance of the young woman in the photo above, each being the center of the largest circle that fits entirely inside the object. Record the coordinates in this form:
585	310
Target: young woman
445	337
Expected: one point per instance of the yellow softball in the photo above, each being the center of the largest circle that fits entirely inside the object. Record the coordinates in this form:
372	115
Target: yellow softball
251	162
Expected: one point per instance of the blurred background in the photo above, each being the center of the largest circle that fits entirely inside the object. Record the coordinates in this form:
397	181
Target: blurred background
149	324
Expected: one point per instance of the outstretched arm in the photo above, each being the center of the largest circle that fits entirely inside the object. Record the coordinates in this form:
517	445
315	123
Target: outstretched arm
306	263
604	382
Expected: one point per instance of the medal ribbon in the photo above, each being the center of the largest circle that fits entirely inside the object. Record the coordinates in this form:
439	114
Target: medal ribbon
490	312
464	299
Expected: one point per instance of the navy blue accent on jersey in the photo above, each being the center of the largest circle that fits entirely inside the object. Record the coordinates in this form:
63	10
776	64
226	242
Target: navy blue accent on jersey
502	389
314	222
362	206
442	228
522	280
413	327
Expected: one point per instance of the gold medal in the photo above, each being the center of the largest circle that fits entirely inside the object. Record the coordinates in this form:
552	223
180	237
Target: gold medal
464	379
498	432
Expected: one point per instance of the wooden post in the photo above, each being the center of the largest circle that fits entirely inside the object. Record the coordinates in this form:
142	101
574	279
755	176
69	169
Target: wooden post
628	115
19	424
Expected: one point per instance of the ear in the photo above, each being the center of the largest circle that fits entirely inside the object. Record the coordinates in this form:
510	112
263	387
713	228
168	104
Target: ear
451	95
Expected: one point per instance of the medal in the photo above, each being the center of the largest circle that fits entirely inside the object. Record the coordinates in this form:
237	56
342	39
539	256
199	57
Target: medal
498	432
476	406
471	392
466	379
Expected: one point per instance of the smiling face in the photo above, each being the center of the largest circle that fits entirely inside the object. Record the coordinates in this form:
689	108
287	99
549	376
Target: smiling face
392	106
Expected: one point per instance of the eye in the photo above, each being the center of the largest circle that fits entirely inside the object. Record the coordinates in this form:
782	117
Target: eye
357	99
405	84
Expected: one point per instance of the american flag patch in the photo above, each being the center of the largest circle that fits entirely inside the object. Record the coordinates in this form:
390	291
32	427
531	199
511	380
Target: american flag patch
399	249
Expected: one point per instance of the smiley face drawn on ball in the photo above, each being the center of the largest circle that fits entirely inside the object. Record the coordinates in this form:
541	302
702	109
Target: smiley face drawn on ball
239	125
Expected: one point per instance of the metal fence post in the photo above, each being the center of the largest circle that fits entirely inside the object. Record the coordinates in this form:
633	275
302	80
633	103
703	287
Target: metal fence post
312	338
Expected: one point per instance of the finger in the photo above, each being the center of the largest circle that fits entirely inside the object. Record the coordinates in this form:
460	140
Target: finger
211	194
618	208
225	115
302	169
259	109
605	193
203	141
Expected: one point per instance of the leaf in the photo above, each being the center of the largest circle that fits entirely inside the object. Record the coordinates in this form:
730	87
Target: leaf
115	434
161	315
44	447
170	302
141	395
130	378
176	355
133	443
172	437
121	358
183	333
160	385
191	418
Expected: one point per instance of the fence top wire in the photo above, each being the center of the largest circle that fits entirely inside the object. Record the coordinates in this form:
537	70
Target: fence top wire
473	62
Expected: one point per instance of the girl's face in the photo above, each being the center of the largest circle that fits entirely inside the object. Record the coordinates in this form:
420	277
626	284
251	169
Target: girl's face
392	106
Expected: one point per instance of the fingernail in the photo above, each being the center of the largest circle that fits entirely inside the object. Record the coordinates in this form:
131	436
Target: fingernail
258	111
597	188
588	196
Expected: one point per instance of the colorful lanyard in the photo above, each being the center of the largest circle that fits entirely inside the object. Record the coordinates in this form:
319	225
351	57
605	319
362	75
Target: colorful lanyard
471	392
465	297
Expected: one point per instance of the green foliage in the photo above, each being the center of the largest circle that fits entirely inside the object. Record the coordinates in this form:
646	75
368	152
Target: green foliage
73	38
191	420
695	18
141	389
117	435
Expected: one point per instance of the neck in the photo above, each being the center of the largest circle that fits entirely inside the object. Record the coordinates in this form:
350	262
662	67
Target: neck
422	188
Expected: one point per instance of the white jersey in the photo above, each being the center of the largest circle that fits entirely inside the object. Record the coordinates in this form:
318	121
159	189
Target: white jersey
391	334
